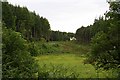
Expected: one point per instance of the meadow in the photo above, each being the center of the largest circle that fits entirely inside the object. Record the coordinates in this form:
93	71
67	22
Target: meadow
69	62
32	48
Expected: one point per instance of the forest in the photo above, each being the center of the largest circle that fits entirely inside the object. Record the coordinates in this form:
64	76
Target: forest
30	49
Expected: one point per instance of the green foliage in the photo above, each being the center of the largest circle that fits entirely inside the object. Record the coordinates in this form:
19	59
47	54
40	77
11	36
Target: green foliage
42	40
33	49
105	44
60	36
83	34
104	37
100	42
16	60
39	48
105	51
29	24
7	15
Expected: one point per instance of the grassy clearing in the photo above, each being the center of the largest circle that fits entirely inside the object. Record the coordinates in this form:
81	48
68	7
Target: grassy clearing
73	63
69	62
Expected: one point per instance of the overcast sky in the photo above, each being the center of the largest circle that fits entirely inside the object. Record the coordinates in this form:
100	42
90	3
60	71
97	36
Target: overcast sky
66	15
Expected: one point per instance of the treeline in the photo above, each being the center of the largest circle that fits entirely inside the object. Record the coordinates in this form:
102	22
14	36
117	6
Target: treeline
85	34
103	36
32	26
29	24
24	35
19	28
60	36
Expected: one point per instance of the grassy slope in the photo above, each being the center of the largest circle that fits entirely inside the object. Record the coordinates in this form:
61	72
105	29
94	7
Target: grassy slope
71	57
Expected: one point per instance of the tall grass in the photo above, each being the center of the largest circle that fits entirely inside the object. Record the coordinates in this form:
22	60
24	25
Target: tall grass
56	71
66	64
67	60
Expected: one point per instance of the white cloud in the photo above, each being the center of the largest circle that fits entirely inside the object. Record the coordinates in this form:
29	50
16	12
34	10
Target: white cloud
66	15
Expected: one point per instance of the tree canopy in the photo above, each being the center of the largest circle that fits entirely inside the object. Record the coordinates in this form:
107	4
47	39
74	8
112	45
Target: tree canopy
103	36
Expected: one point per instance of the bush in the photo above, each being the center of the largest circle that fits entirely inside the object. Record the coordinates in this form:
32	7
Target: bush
16	61
38	48
33	49
104	51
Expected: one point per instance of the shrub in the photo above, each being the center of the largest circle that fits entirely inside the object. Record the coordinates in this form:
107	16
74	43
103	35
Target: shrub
33	49
16	61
